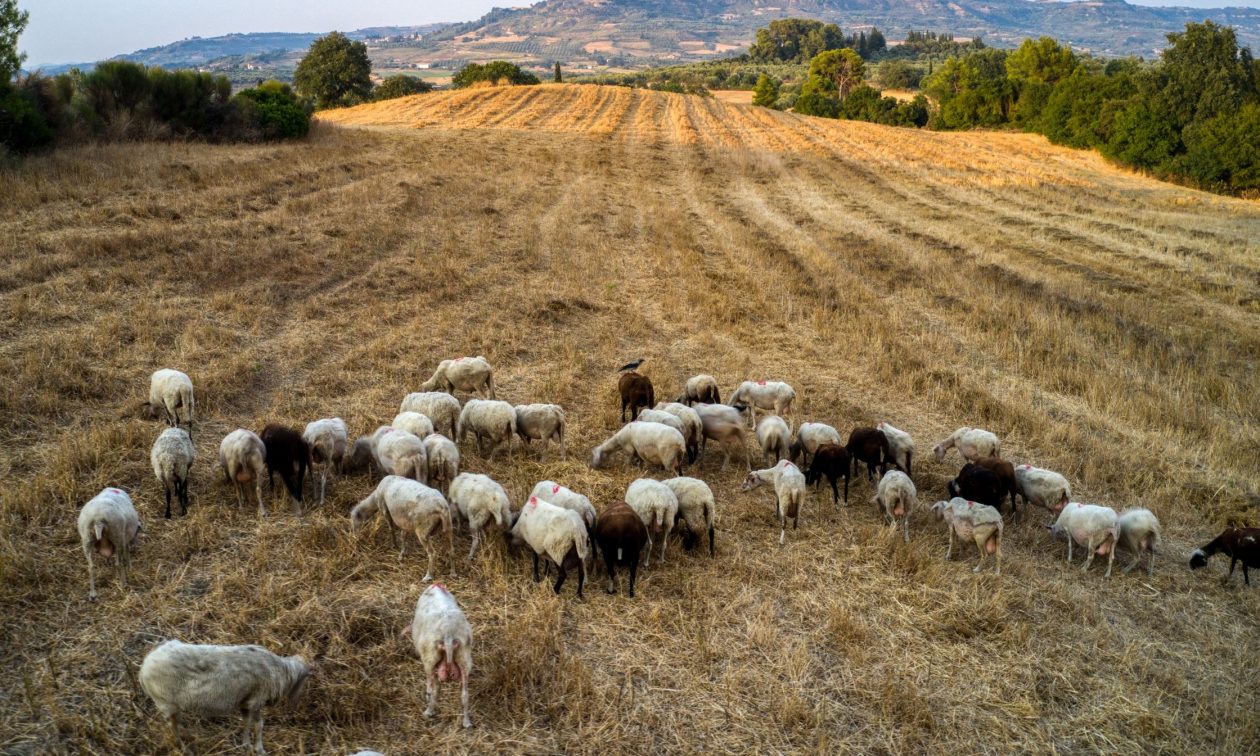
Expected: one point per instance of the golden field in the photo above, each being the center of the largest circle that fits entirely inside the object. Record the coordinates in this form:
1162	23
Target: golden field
1103	324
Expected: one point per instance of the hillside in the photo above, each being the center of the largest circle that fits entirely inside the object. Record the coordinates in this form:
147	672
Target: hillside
1104	324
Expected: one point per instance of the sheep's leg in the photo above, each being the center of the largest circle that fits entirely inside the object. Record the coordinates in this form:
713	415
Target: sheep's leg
1111	559
87	551
647	562
1150	567
905	528
183	497
1134	563
262	509
450	543
950	550
463	678
536	578
835	494
430	686
980	548
562	573
998	554
258	725
1070	539
846	490
124	559
712	553
610	562
476	539
1089	559
782	527
428	549
669	526
172	722
240	495
634	574
581	575
323	484
168	501
246	731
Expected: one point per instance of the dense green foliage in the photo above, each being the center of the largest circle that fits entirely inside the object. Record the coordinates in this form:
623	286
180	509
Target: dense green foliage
766	92
494	72
898	74
799	40
335	72
12	22
698	78
274	109
400	85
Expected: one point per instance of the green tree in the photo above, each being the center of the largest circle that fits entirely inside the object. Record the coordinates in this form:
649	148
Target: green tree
400	85
897	74
557	79
766	92
494	72
335	72
1202	73
1143	137
12	23
794	40
1223	152
273	110
1033	70
972	91
837	71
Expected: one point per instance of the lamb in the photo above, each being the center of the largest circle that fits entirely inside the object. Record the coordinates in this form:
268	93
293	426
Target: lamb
242	455
975	522
692	427
171	396
657	506
696	508
1239	544
108	524
767	396
832	461
900	445
219	681
976	482
442	456
897	497
636	393
972	444
443	640
869	445
724	425
289	455
411	506
700	388
481	503
556	532
441	408
775	438
621	536
1093	527
809	437
328	440
789	492
172	457
464	373
653	443
414	423
565	498
1139	532
544	422
392	451
488	420
1043	488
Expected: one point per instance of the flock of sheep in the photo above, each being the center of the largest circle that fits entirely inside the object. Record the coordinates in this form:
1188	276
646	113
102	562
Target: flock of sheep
424	493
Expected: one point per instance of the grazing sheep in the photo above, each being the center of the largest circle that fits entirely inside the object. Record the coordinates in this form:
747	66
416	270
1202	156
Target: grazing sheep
443	640
900	445
1239	544
172	457
329	441
869	445
809	437
443	458
171	396
1139	532
488	420
242	455
975	522
464	373
720	427
724	412
441	408
557	532
775	438
767	396
976	482
566	498
481	503
621	535
700	388
832	461
692	427
696	508
289	455
411	506
897	497
652	443
1044	488
972	444
108	525
544	422
414	423
690	439
1093	527
1005	472
390	450
657	506
219	681
789	492
636	393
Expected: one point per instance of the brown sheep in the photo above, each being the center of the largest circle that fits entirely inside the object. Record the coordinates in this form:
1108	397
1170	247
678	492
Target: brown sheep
636	393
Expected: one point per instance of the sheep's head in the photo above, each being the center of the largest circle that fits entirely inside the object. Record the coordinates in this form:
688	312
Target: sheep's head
301	673
150	411
1197	559
597	457
953	488
362	512
938	509
360	457
751	482
430	384
939	451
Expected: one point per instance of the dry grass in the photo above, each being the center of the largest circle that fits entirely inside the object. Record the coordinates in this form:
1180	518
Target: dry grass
1105	325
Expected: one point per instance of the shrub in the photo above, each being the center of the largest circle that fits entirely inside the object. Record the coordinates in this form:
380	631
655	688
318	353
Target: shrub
271	111
400	86
494	72
22	125
766	93
898	74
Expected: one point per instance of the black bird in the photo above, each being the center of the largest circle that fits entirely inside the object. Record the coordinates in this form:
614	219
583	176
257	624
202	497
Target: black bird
630	365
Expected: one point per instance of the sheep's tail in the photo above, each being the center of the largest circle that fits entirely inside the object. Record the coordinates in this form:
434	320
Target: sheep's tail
99	527
717	397
186	396
490	385
582	542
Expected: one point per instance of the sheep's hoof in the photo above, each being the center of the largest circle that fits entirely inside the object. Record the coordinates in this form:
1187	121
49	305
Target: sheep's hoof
427	577
977	569
467	722
428	712
91	597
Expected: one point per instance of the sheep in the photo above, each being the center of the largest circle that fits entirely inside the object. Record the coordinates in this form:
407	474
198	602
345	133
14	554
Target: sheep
1092	526
900	444
809	437
1139	532
411	506
767	396
392	451
700	388
1005	472
657	506
775	438
557	532
789	492
832	461
621	535
481	503
897	498
724	412
692	427
544	422
242	455
488	420
652	443
219	681
328	440
108	525
442	456
565	498
869	445
1044	488
719	425
972	444
289	455
636	393
442	637
464	373
976	482
441	408
171	396
975	522
172	457
696	508
1239	544
690	440
414	423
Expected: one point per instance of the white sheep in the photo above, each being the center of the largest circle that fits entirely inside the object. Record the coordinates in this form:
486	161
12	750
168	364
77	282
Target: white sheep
557	532
652	443
414	423
392	451
171	396
242	455
329	441
775	438
488	420
725	425
109	526
691	439
655	504
700	388
789	492
464	373
696	508
971	521
442	637
897	497
441	408
809	437
481	502
544	422
693	426
1139	531
443	459
1092	526
172	458
900	445
554	493
767	396
1045	488
972	444
220	681
410	506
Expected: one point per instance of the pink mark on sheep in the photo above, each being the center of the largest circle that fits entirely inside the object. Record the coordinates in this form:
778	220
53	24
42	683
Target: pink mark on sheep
761	383
555	489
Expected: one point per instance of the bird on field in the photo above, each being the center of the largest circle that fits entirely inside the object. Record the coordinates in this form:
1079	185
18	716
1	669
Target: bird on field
631	365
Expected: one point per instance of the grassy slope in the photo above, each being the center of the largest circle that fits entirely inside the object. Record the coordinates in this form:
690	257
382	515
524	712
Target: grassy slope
1103	324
